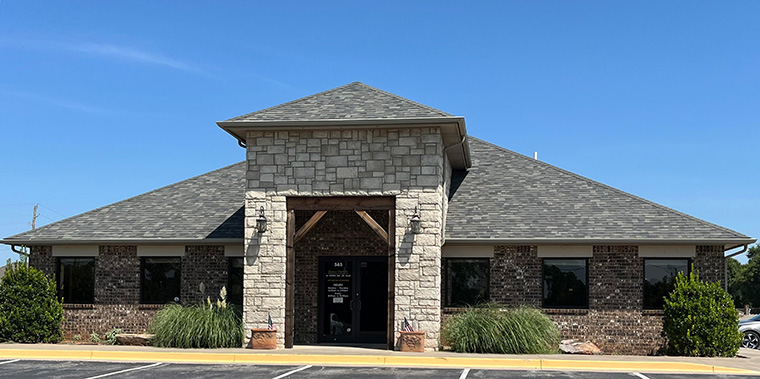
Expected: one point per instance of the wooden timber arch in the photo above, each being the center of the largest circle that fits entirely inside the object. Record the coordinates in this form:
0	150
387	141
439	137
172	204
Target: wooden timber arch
358	204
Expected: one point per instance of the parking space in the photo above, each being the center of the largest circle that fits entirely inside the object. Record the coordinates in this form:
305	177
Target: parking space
60	369
18	369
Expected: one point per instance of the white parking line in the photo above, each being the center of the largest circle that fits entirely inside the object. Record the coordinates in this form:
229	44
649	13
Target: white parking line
464	373
292	372
127	370
642	376
15	360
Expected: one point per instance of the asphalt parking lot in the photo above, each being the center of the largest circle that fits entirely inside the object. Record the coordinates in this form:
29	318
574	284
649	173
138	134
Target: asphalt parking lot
96	370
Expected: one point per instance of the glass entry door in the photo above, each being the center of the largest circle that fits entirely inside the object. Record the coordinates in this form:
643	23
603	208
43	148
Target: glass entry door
353	299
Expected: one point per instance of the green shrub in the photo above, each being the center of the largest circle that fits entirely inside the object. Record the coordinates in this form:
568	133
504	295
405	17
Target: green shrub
29	308
110	337
95	337
490	329
700	319
206	325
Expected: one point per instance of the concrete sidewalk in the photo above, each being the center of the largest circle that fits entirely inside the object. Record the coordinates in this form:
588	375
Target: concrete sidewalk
748	361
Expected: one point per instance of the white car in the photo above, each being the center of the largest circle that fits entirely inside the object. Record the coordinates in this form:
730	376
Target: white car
751	330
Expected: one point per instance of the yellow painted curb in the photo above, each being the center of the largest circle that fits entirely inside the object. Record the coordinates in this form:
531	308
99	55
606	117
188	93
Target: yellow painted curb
638	366
372	360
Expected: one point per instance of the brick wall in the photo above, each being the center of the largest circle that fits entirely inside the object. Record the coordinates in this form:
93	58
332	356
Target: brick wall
117	275
516	276
338	233
41	258
615	319
710	263
117	287
206	264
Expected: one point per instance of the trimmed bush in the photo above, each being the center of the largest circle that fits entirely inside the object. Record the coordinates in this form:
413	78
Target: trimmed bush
29	308
491	329
700	319
206	325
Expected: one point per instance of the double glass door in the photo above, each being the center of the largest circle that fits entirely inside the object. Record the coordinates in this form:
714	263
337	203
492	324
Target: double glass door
353	299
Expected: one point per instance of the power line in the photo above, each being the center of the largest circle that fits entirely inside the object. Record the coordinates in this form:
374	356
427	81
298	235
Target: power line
52	210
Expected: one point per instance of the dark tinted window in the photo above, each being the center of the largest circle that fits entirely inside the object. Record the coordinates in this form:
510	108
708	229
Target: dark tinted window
565	283
160	280
466	281
660	278
76	280
235	284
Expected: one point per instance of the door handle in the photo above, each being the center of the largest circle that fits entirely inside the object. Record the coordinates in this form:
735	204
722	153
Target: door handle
360	305
351	304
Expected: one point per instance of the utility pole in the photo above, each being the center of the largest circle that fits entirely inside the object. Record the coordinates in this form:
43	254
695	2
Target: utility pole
34	216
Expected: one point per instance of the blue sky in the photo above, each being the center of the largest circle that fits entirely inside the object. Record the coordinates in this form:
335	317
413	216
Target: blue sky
101	101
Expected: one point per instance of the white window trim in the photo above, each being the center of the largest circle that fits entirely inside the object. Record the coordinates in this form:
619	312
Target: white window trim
234	251
467	251
565	251
673	251
160	251
75	250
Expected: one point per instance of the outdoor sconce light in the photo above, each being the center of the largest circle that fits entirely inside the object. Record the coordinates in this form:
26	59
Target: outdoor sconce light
261	222
415	223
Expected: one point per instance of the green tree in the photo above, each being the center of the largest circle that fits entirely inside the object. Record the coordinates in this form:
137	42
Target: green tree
735	272
30	311
700	319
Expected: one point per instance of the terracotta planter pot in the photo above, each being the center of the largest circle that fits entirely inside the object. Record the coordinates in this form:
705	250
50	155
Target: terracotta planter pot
264	339
412	341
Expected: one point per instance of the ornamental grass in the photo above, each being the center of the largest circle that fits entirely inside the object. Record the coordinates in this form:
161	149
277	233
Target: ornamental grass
208	325
496	330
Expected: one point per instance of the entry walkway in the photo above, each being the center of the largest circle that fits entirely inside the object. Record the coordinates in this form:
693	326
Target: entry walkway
747	363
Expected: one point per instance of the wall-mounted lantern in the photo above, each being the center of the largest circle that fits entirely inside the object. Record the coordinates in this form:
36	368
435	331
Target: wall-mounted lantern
415	224
261	222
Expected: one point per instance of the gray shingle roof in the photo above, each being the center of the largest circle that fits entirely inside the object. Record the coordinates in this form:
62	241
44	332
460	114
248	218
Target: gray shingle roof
506	195
206	206
354	101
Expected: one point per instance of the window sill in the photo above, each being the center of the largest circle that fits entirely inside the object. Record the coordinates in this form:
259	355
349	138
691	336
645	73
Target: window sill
151	306
653	312
451	310
78	306
565	311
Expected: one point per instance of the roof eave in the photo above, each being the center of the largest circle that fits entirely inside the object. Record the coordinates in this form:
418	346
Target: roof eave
601	241
126	241
238	128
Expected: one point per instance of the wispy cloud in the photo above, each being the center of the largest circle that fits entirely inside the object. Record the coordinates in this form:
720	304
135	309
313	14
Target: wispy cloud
57	102
105	50
132	54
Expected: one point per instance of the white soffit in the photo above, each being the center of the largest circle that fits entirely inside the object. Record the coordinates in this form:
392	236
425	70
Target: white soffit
464	251
559	251
75	250
160	251
675	251
233	250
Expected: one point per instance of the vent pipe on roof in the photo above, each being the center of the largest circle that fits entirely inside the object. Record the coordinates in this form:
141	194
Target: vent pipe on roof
535	155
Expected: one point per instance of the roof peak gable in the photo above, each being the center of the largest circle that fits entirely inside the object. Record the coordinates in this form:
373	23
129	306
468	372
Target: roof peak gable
353	101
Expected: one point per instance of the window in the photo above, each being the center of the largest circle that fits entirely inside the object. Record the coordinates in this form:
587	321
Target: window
565	283
659	279
160	280
466	281
76	280
235	281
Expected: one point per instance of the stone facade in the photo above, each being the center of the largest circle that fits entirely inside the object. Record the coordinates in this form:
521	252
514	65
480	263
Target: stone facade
117	287
408	164
615	319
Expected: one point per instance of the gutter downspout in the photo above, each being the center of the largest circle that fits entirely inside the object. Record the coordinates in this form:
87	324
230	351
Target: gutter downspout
725	263
443	214
21	252
242	144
